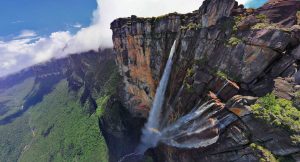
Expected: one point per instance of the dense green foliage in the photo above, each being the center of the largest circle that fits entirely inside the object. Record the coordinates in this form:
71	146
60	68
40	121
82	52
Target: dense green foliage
262	17
56	129
13	138
109	88
279	112
221	74
266	155
233	41
10	101
237	20
191	26
263	154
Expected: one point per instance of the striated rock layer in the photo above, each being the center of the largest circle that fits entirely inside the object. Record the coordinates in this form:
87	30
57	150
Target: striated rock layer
226	54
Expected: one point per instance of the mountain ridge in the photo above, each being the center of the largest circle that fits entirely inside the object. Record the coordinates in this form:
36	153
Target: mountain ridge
93	106
49	112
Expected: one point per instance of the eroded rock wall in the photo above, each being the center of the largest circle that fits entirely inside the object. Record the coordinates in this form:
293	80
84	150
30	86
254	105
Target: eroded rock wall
225	53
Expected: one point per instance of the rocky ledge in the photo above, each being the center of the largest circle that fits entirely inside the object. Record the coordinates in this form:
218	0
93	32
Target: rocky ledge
245	60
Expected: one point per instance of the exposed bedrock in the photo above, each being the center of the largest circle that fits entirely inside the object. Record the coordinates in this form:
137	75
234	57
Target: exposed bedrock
226	54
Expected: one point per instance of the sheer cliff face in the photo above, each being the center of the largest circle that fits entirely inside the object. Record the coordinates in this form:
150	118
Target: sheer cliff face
225	53
143	46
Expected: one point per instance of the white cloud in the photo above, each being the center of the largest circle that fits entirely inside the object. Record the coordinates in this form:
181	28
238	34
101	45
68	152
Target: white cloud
244	1
99	33
17	22
77	25
28	49
20	53
26	34
7	64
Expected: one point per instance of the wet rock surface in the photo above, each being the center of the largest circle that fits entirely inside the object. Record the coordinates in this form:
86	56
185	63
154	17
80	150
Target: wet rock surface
226	54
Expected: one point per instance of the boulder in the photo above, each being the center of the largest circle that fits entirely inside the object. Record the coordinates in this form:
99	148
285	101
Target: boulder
240	105
283	88
248	22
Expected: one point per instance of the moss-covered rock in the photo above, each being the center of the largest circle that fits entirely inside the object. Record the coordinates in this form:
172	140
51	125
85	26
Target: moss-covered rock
280	113
263	154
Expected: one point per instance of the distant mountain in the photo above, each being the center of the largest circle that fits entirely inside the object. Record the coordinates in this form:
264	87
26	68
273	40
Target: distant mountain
49	112
233	92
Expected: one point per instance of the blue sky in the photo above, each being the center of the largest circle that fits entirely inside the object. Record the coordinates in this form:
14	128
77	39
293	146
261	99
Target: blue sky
255	3
34	31
47	16
44	16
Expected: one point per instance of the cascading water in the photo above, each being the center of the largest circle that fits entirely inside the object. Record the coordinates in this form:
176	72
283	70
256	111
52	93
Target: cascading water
224	86
151	134
199	128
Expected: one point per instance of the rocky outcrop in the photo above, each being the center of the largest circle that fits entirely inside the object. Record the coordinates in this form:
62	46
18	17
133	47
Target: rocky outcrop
224	53
120	129
283	12
212	11
140	63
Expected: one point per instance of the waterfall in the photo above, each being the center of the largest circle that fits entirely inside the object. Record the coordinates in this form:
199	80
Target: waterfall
224	86
151	134
199	128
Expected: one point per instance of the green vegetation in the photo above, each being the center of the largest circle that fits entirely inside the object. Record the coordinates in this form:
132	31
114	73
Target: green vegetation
265	25
279	112
233	41
237	20
191	26
190	72
189	75
101	103
10	101
221	74
13	138
295	139
226	75
109	89
264	154
261	17
56	129
262	24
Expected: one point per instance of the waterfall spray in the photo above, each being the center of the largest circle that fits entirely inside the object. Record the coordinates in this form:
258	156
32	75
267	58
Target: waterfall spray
151	134
198	128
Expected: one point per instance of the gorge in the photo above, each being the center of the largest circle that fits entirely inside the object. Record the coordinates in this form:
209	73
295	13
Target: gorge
218	84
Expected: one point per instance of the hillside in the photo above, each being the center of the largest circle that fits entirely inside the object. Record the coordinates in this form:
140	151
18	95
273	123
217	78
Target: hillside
50	112
219	84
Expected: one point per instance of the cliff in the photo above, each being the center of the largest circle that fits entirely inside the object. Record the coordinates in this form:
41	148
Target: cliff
226	54
50	111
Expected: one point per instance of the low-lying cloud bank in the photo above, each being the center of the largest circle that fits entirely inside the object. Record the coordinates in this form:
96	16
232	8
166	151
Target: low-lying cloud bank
28	48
